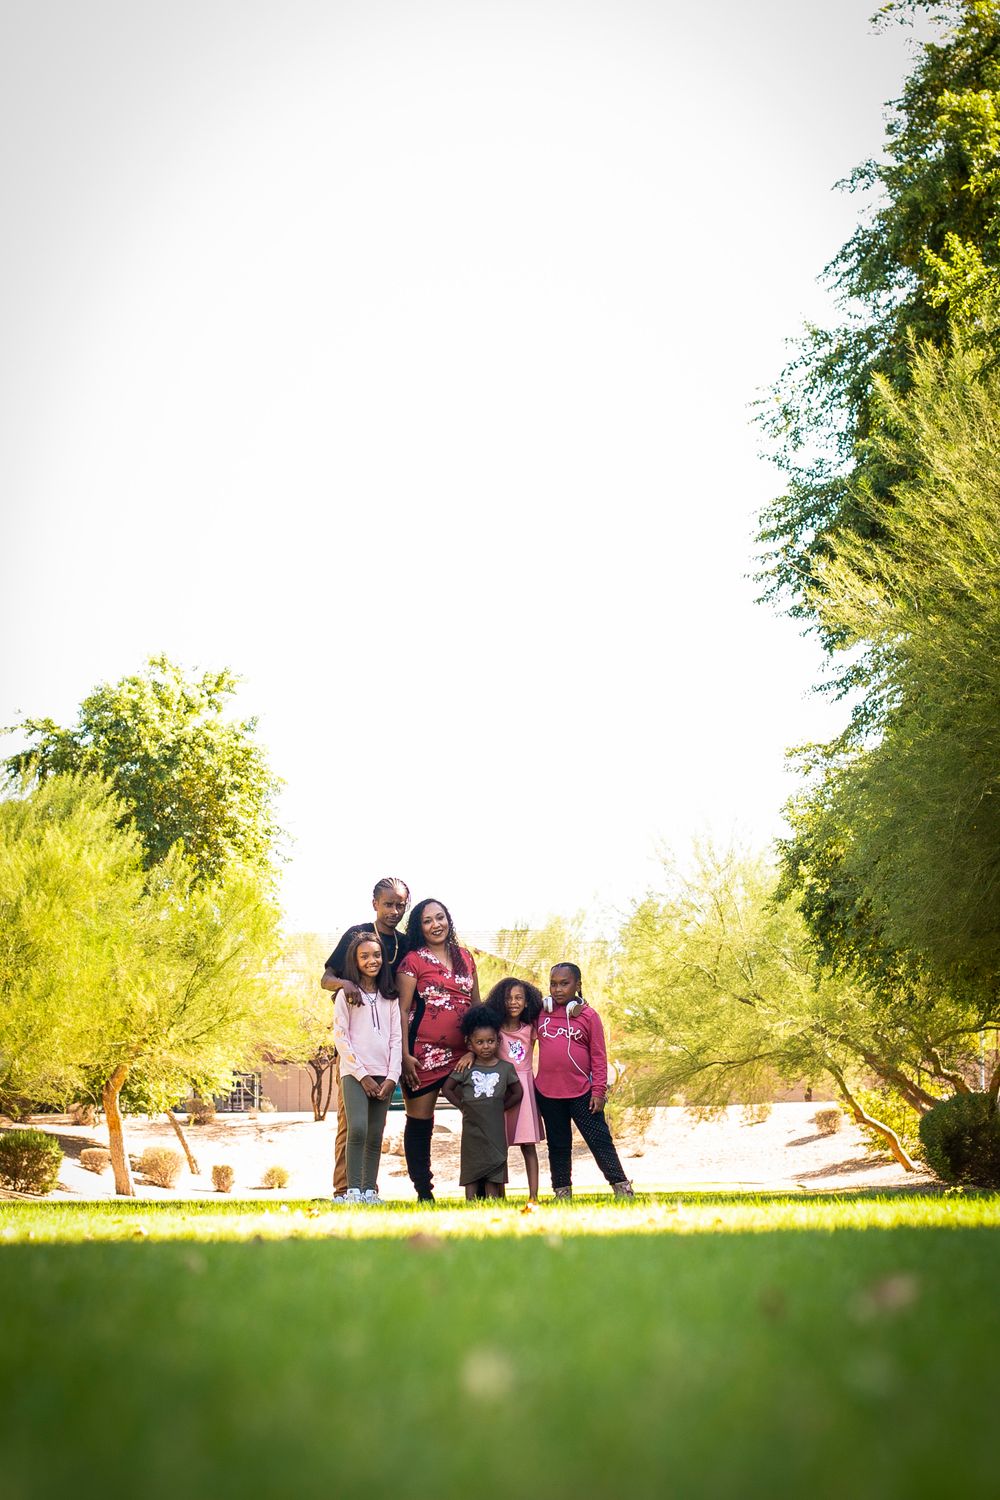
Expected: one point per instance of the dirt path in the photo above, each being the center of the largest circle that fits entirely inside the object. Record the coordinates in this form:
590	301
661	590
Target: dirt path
677	1152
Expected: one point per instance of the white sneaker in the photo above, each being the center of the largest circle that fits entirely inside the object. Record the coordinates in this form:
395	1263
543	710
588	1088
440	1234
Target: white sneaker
370	1196
352	1195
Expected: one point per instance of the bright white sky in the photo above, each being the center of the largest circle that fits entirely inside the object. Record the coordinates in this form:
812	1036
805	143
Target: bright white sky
399	355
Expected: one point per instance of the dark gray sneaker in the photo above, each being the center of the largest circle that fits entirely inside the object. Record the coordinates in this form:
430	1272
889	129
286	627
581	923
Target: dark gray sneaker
566	1192
622	1189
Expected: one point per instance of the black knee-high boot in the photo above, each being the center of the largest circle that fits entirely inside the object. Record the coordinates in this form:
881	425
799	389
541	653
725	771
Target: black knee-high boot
417	1148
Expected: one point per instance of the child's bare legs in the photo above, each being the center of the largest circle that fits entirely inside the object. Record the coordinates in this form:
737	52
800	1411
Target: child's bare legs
530	1154
484	1189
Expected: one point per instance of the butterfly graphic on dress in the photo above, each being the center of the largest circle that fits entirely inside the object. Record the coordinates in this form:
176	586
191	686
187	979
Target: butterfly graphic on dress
484	1085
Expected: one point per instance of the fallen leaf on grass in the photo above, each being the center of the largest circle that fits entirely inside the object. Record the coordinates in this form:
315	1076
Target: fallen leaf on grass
422	1241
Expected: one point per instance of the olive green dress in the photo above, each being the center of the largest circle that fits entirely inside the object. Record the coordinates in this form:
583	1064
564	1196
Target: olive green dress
484	1134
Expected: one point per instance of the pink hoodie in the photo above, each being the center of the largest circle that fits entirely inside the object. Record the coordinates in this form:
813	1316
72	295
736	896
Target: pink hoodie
572	1057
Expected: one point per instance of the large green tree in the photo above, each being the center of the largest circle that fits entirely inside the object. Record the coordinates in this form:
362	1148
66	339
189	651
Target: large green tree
110	972
185	772
925	256
896	836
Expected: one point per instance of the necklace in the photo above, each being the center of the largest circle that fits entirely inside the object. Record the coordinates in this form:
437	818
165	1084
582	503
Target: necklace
372	996
395	944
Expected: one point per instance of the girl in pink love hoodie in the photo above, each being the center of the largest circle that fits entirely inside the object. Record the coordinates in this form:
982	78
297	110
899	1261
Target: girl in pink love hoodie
571	1084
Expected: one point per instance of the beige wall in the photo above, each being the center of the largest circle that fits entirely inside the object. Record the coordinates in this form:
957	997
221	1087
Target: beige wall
288	1088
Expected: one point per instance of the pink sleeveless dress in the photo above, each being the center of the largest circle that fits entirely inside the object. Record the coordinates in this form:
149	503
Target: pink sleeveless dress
524	1124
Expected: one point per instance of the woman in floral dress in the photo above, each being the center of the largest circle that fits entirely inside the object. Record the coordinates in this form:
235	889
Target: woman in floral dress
437	984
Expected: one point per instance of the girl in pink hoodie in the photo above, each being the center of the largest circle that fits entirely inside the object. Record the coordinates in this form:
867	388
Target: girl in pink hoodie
571	1084
369	1040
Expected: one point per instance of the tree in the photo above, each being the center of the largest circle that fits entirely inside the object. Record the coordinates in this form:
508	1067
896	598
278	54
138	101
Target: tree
530	952
114	972
719	990
184	773
303	1018
926	257
71	881
896	840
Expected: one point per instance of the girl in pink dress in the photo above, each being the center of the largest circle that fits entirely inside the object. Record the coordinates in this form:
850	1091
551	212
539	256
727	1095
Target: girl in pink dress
517	1006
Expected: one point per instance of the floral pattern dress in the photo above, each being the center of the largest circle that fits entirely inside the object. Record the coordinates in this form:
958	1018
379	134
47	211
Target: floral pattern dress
439	1003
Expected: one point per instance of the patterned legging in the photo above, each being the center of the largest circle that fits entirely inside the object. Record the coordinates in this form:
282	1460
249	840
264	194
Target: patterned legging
560	1115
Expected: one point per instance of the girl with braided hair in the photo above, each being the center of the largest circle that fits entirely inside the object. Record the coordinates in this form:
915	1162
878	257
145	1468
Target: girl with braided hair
571	1084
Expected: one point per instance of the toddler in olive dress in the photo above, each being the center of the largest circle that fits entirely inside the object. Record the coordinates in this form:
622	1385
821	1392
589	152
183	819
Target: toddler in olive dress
483	1093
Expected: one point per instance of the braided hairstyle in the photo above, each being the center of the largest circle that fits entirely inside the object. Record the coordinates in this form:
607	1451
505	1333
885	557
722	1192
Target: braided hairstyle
390	883
574	970
415	933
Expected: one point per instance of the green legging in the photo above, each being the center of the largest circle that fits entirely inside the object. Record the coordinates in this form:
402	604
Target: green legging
365	1124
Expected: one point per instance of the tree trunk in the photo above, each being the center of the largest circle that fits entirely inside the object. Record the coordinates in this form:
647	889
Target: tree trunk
956	1080
916	1097
192	1164
124	1186
318	1071
888	1135
994	1085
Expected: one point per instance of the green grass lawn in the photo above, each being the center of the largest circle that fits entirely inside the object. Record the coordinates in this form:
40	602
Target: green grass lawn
715	1346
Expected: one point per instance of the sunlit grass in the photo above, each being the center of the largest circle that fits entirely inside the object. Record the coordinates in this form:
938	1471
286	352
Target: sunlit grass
707	1345
684	1213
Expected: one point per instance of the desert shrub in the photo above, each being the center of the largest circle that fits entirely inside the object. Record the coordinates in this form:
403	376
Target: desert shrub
886	1105
223	1178
15	1106
961	1139
160	1165
82	1113
95	1158
275	1177
201	1111
829	1121
265	1106
29	1161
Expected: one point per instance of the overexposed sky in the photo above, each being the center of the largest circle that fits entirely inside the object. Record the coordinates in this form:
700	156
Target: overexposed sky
399	355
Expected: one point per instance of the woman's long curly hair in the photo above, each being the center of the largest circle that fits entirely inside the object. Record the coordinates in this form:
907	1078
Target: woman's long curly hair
496	1000
415	933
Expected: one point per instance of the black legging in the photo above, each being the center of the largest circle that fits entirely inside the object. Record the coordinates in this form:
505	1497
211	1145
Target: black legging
560	1115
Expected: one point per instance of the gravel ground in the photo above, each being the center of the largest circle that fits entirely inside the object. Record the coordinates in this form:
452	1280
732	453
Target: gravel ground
785	1150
